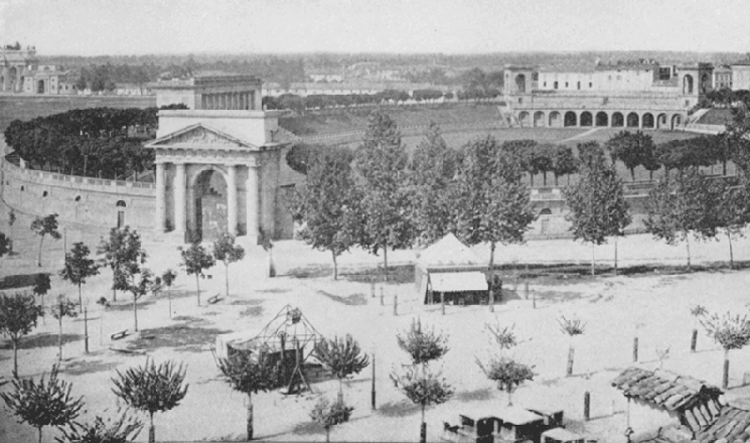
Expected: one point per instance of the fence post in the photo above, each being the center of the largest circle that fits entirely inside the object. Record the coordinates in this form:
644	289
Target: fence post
395	305
586	406
382	302
694	340
372	398
442	301
86	329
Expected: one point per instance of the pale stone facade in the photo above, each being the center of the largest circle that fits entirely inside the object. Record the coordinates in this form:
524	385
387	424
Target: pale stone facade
217	165
15	64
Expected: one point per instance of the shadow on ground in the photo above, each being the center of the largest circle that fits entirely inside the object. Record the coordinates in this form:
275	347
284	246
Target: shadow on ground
396	274
398	409
482	394
42	340
87	367
183	337
352	300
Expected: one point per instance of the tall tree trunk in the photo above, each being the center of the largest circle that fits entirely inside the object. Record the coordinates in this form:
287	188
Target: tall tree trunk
509	390
15	358
341	391
80	299
385	262
632	174
556	176
40	433
249	423
731	253
226	279
135	311
531	177
335	266
151	429
328	434
615	255
724	168
544	177
59	336
423	429
198	288
687	243
593	250
39	260
492	277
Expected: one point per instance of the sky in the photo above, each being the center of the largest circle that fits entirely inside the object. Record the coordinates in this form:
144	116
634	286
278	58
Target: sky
123	27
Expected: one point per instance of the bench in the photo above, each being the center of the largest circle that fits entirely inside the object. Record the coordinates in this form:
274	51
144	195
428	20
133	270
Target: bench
214	299
118	335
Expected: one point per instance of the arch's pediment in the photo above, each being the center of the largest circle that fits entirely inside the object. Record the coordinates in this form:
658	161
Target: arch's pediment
200	136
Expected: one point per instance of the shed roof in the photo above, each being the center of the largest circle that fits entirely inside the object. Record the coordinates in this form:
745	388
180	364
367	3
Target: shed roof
664	389
517	416
732	424
448	252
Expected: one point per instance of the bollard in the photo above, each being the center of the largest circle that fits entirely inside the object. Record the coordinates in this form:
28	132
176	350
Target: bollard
395	305
382	303
635	349
694	340
725	380
586	406
372	398
442	301
571	353
526	289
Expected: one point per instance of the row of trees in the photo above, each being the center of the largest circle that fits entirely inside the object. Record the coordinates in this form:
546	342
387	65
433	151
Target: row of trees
300	104
87	142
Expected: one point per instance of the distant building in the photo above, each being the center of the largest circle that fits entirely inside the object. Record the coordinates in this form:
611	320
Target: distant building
211	91
722	77
16	63
642	94
740	76
46	79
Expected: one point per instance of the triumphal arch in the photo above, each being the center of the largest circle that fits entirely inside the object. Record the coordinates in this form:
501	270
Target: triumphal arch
217	163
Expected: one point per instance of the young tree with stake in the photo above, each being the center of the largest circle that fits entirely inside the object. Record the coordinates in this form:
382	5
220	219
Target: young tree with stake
62	308
43	404
139	284
249	375
507	373
329	415
731	332
418	383
42	285
227	252
572	328
168	278
42	227
151	389
195	260
11	221
18	316
79	267
342	357
124	254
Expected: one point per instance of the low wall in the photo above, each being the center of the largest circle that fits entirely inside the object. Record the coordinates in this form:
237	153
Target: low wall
82	200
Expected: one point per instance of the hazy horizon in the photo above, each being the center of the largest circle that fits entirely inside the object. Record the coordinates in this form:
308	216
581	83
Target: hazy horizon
450	27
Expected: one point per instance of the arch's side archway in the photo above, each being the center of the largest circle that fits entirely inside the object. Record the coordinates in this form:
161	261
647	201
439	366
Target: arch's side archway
633	120
120	205
40	87
602	119
648	120
571	119
618	120
687	84
521	83
555	120
539	119
587	119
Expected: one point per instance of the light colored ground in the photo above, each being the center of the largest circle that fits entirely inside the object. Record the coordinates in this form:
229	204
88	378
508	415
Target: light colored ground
656	306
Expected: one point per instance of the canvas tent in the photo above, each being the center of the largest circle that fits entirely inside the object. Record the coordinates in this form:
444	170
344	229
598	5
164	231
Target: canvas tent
448	267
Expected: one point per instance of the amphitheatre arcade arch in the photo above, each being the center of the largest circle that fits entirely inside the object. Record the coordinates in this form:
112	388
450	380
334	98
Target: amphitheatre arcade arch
539	119
661	121
524	118
676	120
586	119
571	119
602	119
648	120
632	120
618	120
555	120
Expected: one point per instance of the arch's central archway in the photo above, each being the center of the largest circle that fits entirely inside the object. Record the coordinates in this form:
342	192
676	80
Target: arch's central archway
210	205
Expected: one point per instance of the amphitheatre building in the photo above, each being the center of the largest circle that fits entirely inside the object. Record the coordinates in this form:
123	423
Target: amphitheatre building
638	95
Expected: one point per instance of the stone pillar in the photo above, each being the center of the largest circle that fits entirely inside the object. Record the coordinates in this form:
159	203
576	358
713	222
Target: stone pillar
4	86
232	200
160	198
241	101
179	198
19	74
253	202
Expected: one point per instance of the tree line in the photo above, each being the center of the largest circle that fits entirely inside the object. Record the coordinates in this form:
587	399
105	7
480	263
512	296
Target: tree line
88	142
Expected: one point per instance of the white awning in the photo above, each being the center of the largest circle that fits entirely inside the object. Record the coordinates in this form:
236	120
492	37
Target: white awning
458	281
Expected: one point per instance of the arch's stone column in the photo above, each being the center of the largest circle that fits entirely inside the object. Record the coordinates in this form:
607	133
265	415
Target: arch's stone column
4	86
253	202
179	198
232	199
160	198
